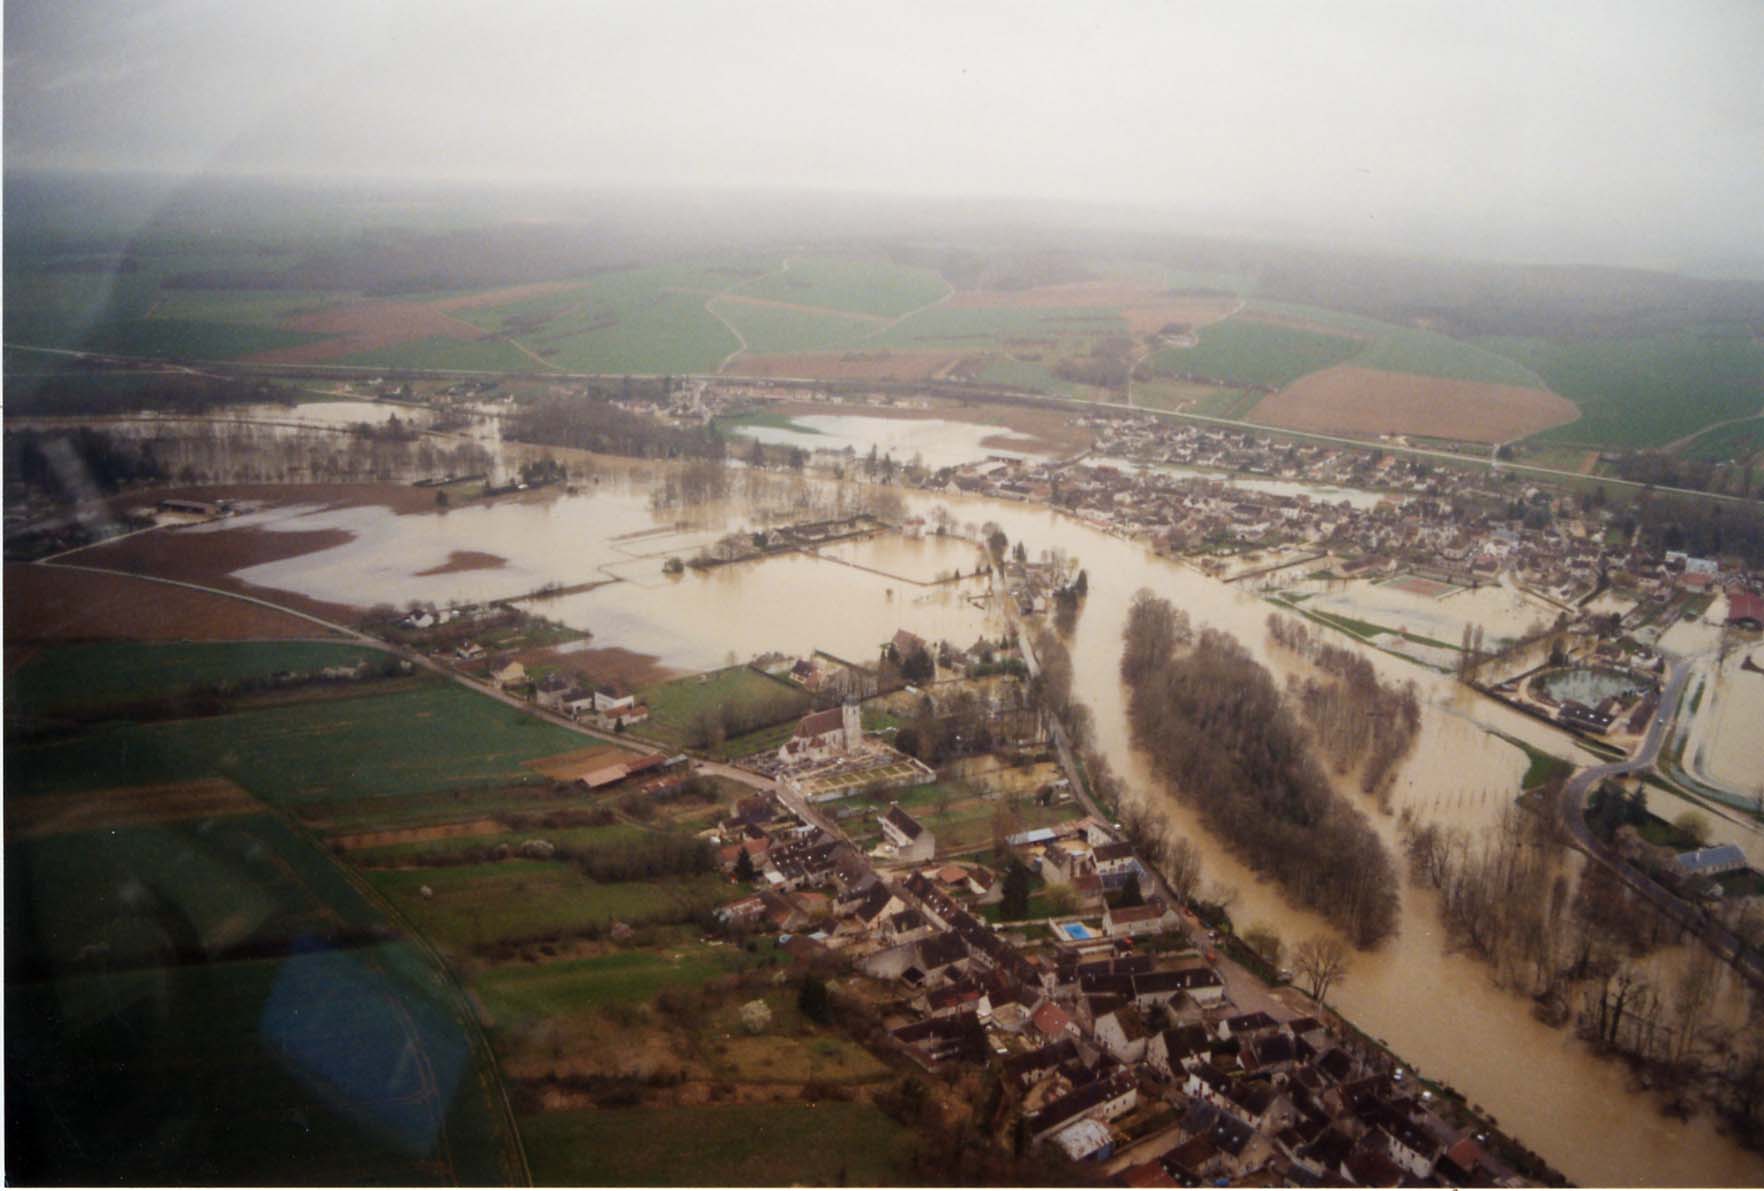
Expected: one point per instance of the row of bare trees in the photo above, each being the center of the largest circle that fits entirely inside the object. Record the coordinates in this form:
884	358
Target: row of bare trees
1214	724
1581	948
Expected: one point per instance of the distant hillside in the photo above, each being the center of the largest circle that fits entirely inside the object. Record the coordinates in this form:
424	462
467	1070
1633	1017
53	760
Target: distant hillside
1467	299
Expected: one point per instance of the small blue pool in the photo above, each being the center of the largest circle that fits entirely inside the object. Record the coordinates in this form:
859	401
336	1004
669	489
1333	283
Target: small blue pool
1076	930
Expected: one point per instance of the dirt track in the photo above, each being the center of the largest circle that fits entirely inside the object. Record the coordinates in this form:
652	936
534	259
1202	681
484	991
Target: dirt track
1364	401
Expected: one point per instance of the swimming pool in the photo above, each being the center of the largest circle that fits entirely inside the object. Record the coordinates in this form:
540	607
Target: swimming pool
1076	930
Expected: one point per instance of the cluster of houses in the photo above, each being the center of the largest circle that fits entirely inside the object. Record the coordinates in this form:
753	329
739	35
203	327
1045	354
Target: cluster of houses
1121	1047
1138	484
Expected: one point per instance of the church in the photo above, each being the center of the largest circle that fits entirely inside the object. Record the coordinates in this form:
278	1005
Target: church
824	735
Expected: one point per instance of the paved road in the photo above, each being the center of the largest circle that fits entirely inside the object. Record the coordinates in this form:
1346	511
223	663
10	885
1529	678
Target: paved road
1720	939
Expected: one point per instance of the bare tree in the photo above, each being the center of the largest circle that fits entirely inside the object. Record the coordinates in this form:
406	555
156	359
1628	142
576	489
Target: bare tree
1322	961
1182	868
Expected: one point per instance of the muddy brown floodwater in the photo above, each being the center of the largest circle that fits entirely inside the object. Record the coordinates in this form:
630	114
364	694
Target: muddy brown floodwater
1440	1011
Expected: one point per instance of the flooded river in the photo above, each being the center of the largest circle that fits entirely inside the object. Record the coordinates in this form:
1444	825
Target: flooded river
1440	1011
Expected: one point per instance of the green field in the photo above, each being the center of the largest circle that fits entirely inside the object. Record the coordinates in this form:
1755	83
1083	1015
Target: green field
791	1050
1739	441
189	997
188	339
1428	353
781	329
1394	348
476	904
519	994
734	1145
674	707
1208	400
85	676
1238	351
1647	392
987	328
435	738
1024	374
464	355
570	837
264	308
858	285
653	334
529	313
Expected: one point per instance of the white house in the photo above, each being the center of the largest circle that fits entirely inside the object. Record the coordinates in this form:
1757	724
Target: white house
906	836
1153	918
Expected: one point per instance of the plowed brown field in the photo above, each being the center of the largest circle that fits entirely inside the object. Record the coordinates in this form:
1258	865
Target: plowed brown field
1364	401
417	835
128	806
46	603
211	558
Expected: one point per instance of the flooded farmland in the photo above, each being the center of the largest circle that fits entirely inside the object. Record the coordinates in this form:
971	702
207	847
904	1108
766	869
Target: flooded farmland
935	442
1441	1011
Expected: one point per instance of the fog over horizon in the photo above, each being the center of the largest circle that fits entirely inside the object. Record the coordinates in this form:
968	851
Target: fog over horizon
1608	133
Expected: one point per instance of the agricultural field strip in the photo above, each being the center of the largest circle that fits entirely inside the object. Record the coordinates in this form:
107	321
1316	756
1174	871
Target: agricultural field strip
1390	347
127	806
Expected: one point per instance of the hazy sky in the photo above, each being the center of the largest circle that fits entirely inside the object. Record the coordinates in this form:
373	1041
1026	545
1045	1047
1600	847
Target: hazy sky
1602	129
